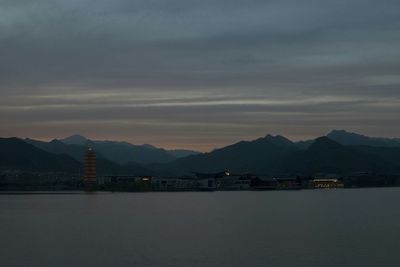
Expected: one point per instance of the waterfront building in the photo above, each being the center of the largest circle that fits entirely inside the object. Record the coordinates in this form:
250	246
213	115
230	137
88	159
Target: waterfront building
264	183
128	182
327	183
205	184
173	184
225	180
233	182
90	167
288	183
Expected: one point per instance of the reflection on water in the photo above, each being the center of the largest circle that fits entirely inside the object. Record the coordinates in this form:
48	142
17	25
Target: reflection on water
357	227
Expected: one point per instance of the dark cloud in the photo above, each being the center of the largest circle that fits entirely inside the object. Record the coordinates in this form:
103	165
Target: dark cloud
198	73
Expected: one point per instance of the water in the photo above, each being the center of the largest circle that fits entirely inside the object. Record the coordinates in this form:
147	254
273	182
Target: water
357	227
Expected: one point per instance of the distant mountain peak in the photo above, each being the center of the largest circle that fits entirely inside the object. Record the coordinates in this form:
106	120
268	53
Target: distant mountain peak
349	138
75	139
278	140
276	137
335	131
344	133
324	143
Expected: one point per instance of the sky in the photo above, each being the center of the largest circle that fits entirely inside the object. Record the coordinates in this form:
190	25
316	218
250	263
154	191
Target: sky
198	74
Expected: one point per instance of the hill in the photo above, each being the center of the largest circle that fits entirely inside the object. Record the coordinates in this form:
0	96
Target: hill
16	154
351	139
269	155
124	152
260	156
327	156
274	155
57	147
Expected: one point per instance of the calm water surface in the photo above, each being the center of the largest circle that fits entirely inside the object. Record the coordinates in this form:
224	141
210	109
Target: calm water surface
357	227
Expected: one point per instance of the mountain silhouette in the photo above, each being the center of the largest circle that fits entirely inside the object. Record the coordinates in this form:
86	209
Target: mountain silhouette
260	156
274	155
327	156
124	152
348	138
75	139
269	155
57	147
16	154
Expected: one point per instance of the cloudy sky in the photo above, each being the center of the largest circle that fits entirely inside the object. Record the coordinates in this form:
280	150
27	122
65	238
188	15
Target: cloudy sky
198	74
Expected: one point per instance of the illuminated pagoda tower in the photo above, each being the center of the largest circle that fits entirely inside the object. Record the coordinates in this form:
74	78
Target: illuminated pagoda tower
90	167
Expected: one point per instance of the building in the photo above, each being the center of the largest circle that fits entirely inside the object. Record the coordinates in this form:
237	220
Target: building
288	183
173	184
205	184
128	182
264	183
90	167
224	181
327	183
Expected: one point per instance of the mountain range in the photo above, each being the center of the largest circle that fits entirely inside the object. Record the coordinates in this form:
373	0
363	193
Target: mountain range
36	156
124	152
353	139
338	152
15	154
274	155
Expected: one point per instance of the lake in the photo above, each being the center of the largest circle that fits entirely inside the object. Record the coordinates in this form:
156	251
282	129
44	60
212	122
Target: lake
343	227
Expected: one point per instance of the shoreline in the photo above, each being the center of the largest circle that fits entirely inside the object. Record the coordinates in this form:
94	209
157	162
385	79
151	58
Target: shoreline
87	192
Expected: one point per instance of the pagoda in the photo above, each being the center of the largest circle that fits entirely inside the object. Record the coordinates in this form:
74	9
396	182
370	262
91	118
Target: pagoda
90	167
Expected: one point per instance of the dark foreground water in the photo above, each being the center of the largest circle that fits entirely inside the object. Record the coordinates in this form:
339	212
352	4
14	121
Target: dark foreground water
357	227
